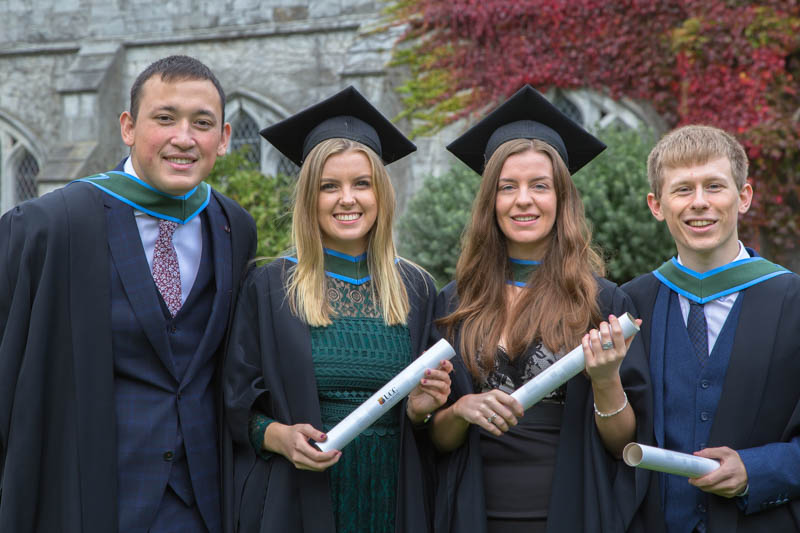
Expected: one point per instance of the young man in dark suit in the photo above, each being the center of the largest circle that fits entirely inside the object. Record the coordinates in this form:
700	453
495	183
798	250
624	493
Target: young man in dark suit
115	294
721	327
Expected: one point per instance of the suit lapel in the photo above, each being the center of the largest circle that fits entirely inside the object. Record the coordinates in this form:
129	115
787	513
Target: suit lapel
129	259
658	342
220	239
748	368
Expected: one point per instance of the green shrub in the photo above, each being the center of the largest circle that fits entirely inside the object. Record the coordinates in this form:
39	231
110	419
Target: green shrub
614	190
429	232
268	199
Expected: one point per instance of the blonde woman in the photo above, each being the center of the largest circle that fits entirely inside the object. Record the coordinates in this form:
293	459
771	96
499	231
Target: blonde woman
528	289
319	331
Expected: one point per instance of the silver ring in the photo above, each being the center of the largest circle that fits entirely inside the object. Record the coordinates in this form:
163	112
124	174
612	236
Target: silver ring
607	345
490	419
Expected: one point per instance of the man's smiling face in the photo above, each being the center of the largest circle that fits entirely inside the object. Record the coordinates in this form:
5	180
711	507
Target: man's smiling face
701	206
177	135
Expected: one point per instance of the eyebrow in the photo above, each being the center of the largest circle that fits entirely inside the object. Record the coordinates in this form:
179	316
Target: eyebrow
535	178
702	179
173	109
363	176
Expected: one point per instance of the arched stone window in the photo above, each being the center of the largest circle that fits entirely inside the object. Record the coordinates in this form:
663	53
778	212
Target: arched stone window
249	113
595	111
19	165
25	176
245	133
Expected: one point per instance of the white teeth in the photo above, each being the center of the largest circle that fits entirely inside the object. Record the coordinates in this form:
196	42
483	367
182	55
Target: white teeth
700	223
524	219
179	161
345	218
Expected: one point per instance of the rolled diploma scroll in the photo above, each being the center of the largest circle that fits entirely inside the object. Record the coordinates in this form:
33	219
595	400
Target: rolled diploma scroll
660	460
387	397
563	370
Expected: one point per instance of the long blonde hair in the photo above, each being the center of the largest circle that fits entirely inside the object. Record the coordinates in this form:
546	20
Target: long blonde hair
307	284
558	305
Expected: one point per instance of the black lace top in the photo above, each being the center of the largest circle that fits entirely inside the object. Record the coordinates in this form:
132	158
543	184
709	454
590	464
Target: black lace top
508	375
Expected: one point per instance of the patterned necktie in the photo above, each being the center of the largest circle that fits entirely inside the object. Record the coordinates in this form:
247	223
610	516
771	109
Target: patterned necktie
166	272
698	331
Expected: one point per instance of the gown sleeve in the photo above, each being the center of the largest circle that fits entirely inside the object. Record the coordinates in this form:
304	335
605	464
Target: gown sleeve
246	392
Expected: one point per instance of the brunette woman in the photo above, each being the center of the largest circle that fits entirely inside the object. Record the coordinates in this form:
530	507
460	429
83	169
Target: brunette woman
318	332
528	289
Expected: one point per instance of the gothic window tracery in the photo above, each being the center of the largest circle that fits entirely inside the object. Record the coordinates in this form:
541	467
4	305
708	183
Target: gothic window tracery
596	111
245	134
18	167
247	117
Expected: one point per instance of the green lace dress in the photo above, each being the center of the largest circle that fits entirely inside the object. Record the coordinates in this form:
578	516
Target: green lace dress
353	358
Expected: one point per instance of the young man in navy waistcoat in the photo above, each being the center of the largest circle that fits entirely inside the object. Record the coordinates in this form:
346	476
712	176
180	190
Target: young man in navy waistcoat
721	326
115	294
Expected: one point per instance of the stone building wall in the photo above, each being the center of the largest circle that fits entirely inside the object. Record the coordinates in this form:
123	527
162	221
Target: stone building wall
66	67
52	21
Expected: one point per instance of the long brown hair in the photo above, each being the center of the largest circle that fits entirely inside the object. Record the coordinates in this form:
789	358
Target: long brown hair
306	288
559	303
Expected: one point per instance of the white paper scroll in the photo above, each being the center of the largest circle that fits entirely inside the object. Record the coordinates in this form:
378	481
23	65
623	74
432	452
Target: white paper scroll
563	370
387	397
660	460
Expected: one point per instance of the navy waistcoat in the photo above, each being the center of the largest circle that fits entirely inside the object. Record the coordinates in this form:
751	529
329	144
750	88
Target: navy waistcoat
691	394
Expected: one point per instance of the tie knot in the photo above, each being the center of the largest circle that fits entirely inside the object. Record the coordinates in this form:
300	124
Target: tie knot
692	303
167	227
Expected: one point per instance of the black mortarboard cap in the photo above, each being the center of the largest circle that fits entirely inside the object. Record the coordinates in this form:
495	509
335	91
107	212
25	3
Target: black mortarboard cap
526	115
346	114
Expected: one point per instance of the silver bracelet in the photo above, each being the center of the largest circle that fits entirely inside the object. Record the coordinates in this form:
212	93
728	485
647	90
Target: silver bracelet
618	411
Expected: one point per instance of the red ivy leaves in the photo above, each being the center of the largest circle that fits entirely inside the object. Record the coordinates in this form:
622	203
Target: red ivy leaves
730	63
499	45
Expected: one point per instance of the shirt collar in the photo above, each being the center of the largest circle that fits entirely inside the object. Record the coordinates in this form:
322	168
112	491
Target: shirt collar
741	255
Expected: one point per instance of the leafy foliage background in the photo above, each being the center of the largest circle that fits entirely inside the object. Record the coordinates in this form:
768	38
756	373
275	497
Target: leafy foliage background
733	64
614	189
267	198
429	232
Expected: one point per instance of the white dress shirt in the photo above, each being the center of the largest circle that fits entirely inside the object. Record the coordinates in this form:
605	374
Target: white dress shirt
187	239
716	310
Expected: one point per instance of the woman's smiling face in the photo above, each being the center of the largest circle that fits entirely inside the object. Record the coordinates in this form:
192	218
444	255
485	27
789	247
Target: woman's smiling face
525	205
347	206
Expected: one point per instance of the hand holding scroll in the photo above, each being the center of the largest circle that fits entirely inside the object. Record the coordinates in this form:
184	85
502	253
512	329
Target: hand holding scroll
292	443
729	480
431	393
494	410
564	369
604	349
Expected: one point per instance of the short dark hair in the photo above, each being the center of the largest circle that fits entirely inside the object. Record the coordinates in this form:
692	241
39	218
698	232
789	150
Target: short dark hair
174	68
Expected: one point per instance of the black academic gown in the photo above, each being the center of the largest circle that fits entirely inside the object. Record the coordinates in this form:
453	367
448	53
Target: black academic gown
760	401
591	492
58	450
269	362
